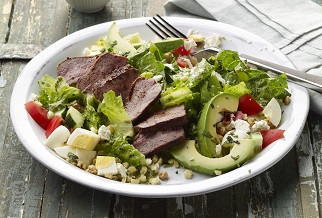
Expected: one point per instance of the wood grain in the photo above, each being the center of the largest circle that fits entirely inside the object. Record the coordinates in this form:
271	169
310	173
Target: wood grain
291	188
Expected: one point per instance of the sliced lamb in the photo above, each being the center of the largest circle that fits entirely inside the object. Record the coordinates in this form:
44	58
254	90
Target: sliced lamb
74	68
143	93
170	117
149	143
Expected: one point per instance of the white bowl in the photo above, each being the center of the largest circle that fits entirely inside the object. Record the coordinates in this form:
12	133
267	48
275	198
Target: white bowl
87	6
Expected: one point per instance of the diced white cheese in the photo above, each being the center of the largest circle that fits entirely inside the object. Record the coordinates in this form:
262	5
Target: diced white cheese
189	44
241	125
85	156
157	78
106	164
273	112
218	149
34	97
104	132
241	134
64	150
84	139
213	41
260	125
121	169
58	137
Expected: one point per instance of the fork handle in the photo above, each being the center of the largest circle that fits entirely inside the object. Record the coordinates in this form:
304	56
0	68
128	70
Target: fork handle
307	80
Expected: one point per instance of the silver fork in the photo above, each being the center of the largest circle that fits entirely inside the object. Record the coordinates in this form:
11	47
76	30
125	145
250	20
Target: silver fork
164	30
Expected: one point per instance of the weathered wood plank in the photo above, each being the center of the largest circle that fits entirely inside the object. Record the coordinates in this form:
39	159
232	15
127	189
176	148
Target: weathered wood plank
5	11
274	192
315	122
27	27
307	194
19	51
38	22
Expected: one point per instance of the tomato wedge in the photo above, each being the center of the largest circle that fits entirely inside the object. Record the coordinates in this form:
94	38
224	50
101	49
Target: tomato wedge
38	113
248	105
182	51
271	135
182	62
54	123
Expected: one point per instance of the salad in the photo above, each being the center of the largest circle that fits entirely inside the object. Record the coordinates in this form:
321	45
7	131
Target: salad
209	116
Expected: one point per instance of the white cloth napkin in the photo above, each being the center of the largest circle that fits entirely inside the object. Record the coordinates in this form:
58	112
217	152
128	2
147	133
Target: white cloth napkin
293	26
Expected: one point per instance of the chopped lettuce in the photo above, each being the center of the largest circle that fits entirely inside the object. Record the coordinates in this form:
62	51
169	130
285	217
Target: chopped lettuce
148	58
236	73
178	94
56	94
113	108
239	90
93	119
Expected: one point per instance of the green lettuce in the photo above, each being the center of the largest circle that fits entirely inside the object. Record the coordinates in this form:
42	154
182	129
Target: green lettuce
93	119
236	73
112	107
177	94
56	94
148	58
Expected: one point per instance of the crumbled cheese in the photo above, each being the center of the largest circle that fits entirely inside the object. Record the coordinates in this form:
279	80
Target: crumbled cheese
189	44
121	169
213	41
34	97
104	132
218	149
241	125
260	125
157	78
241	134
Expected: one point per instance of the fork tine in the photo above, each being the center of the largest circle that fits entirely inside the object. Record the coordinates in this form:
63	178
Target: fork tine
174	31
157	30
164	29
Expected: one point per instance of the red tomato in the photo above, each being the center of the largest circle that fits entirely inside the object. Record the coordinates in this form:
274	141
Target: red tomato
54	123
182	51
38	113
271	135
248	105
182	62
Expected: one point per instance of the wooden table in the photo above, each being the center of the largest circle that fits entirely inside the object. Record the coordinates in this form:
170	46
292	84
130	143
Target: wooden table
291	188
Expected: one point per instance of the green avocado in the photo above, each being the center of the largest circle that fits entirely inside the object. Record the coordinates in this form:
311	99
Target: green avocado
210	115
188	156
115	40
166	45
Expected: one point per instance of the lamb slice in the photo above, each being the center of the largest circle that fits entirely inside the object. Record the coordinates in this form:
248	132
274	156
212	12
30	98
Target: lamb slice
143	93
169	117
153	142
104	67
72	69
121	84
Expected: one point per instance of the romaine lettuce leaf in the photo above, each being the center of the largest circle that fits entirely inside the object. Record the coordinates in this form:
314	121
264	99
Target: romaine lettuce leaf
93	119
56	94
113	108
177	94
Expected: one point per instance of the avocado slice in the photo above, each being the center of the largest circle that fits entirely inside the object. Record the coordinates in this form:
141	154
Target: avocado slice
210	115
188	156
166	45
119	44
